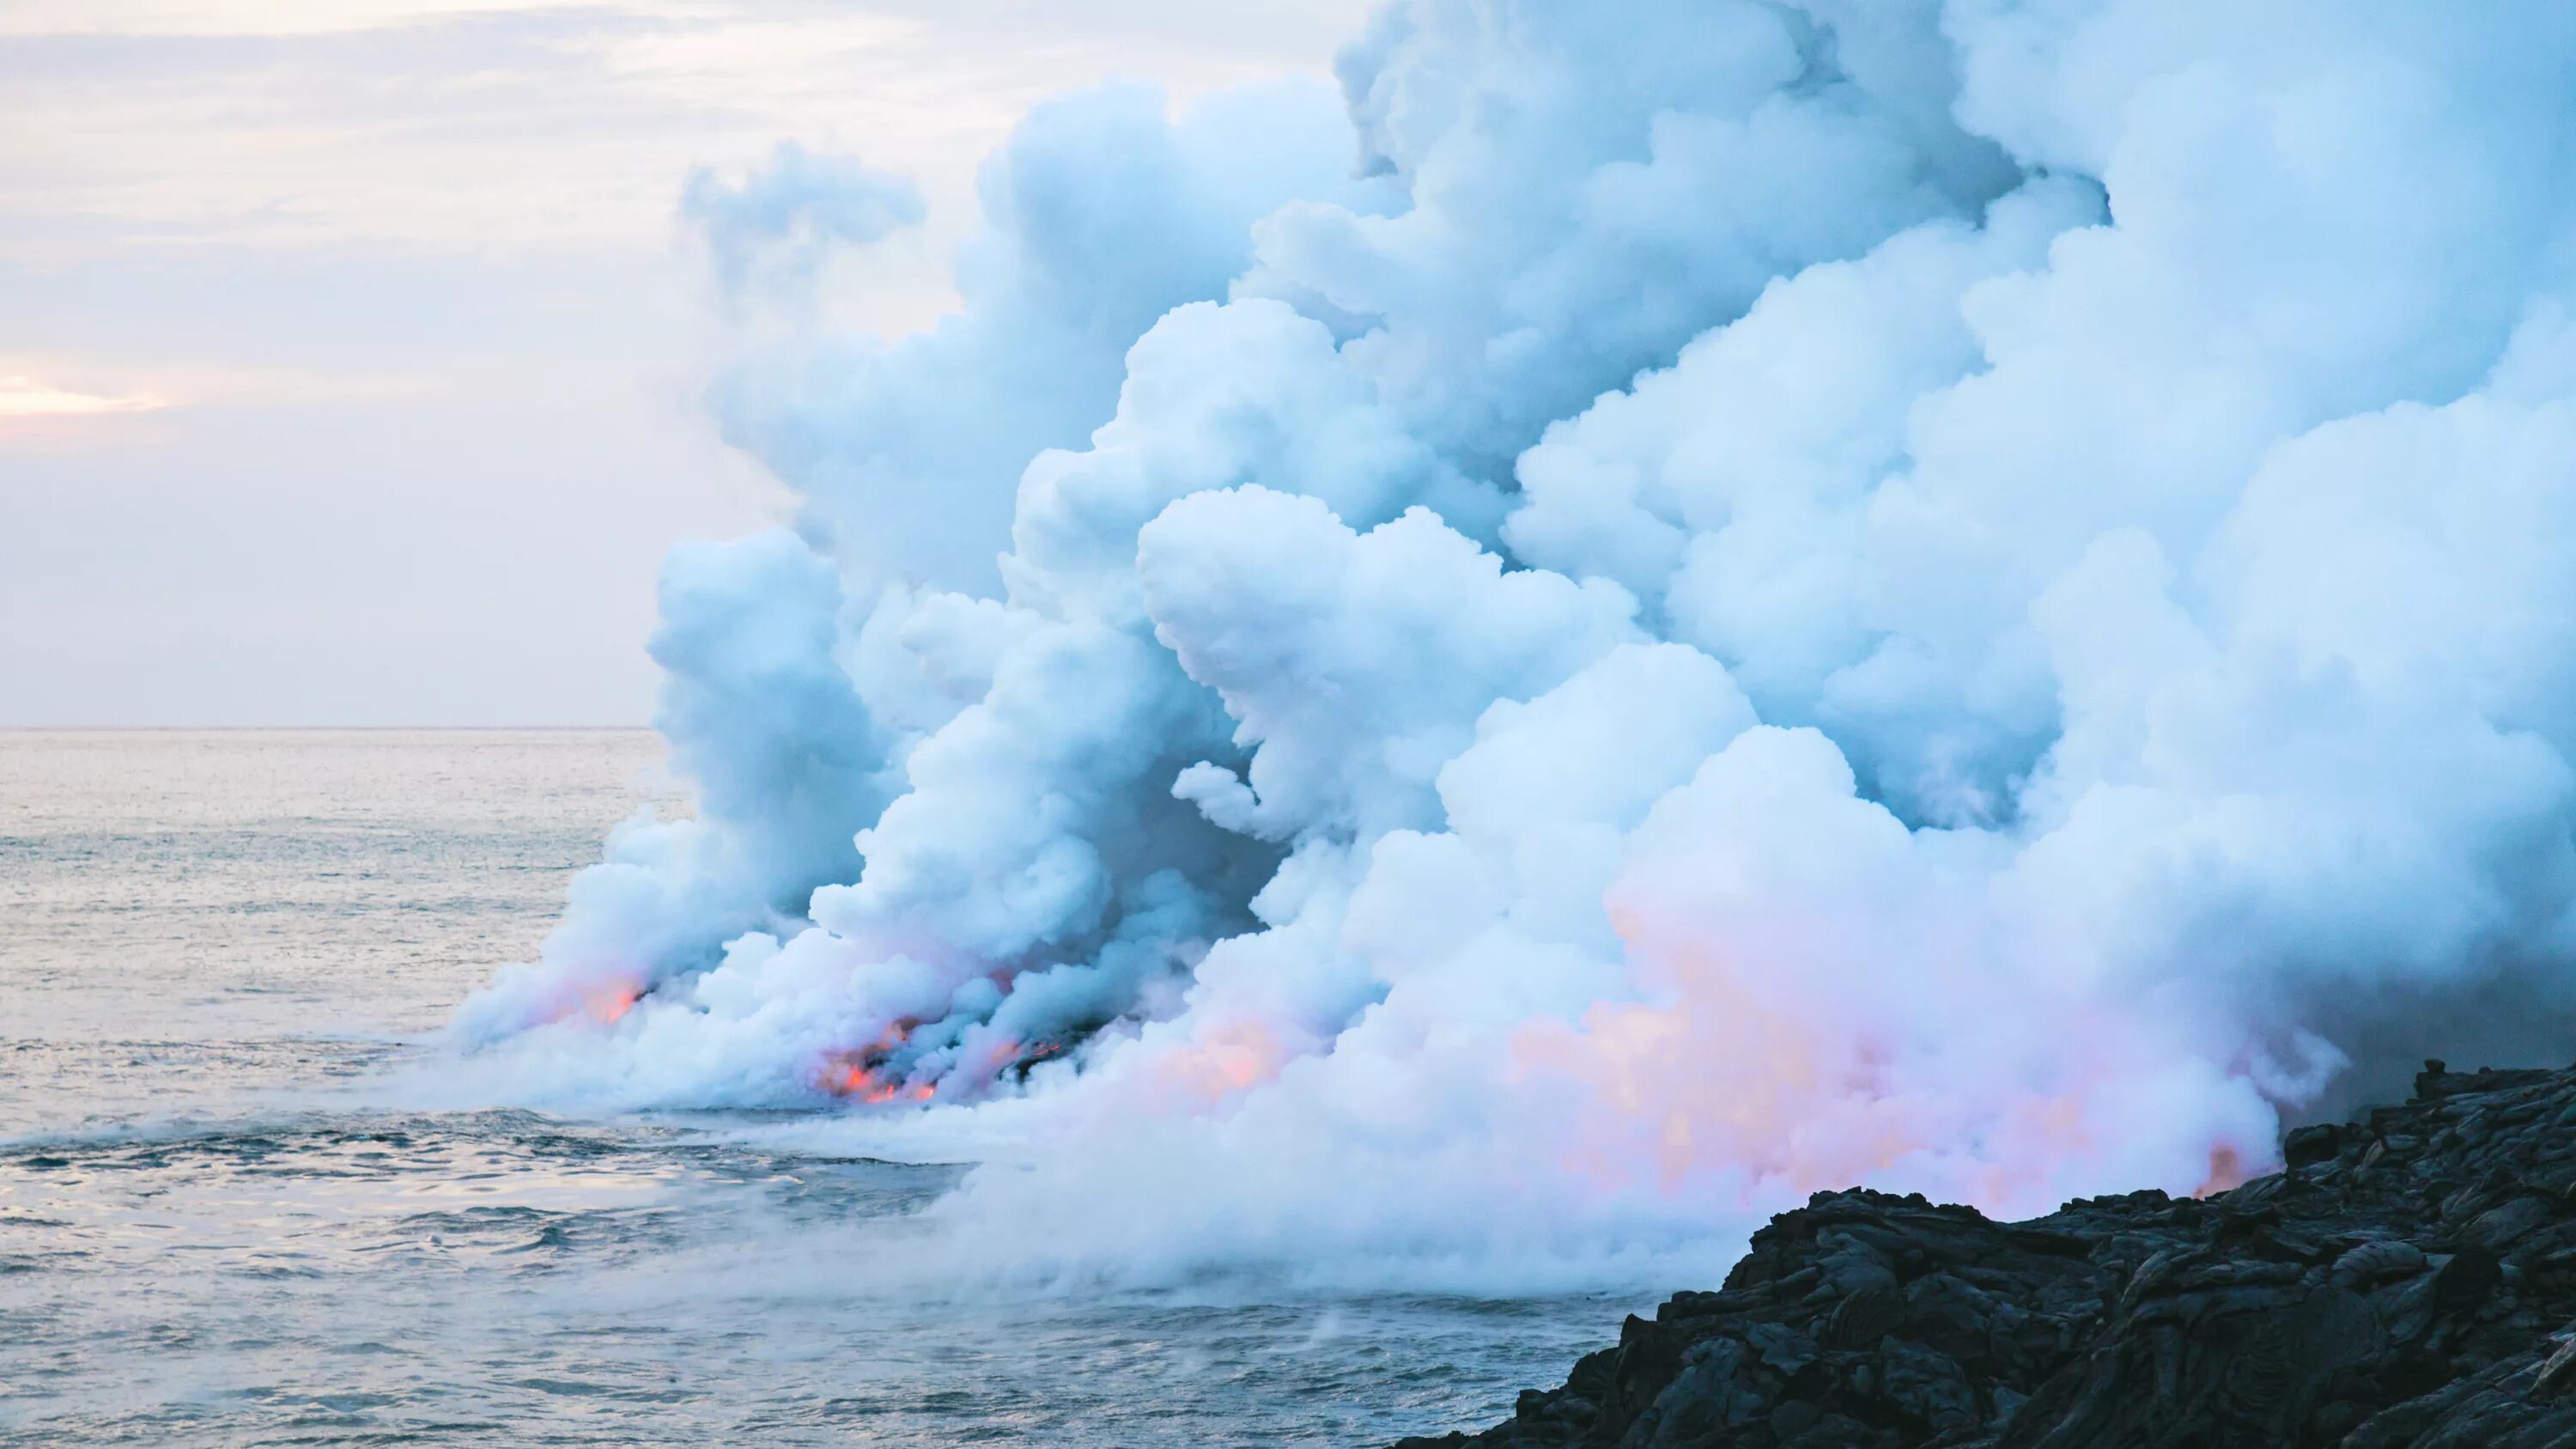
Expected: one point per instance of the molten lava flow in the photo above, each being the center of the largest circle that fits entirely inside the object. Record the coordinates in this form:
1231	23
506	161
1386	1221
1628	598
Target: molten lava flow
845	1078
866	1073
857	1079
884	1070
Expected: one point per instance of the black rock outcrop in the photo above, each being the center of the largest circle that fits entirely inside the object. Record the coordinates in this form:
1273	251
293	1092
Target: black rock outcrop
2408	1282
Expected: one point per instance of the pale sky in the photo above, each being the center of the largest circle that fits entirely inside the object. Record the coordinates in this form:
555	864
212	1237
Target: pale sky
350	349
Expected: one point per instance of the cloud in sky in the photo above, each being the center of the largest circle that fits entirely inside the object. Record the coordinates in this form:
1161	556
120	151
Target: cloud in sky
240	17
29	397
406	270
472	125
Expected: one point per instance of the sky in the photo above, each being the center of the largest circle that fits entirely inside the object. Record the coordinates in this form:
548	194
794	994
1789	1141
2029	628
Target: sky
351	351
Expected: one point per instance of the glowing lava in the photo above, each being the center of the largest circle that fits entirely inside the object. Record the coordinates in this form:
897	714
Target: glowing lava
1229	1060
606	1004
865	1073
603	1003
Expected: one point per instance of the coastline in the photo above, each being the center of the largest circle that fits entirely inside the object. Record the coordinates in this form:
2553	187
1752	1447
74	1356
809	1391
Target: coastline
2408	1279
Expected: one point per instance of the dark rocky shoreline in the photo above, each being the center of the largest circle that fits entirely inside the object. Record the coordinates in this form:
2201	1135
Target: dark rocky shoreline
2408	1282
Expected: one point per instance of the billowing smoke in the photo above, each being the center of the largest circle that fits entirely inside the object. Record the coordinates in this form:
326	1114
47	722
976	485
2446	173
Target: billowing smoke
1653	611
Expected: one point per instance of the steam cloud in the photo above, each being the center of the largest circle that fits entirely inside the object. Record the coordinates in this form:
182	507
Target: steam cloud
1975	597
771	232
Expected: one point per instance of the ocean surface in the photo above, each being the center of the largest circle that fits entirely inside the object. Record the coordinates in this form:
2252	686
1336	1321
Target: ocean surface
222	957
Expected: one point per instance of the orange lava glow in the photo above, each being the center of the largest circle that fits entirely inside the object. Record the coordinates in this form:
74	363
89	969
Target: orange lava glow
861	1075
865	1084
850	1079
603	1003
606	1004
1750	1075
1228	1060
998	1053
871	1073
2227	1172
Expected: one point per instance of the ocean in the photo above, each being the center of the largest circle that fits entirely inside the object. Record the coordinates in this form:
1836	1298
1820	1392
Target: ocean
231	1215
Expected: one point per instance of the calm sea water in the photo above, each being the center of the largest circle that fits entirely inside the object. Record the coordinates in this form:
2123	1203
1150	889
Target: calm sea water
220	1225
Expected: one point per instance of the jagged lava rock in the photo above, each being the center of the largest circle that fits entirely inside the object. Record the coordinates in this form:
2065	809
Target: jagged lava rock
2407	1282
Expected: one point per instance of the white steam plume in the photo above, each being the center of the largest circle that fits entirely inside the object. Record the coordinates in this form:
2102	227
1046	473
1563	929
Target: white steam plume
1977	597
772	232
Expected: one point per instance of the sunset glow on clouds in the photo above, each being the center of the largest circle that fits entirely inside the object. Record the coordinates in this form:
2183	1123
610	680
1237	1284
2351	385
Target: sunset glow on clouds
30	397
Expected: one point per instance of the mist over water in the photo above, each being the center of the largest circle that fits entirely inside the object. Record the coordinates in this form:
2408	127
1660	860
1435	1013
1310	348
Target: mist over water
1478	681
228	1216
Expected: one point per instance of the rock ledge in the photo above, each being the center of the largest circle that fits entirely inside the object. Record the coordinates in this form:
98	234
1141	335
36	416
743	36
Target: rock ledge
2408	1282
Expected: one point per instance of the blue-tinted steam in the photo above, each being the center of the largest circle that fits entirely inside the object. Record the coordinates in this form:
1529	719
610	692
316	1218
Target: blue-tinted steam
1661	609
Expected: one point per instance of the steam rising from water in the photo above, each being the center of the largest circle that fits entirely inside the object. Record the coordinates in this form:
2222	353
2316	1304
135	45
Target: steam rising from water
1976	597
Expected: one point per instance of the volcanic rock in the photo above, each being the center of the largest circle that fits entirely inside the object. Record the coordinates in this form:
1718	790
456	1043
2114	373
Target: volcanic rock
2408	1281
